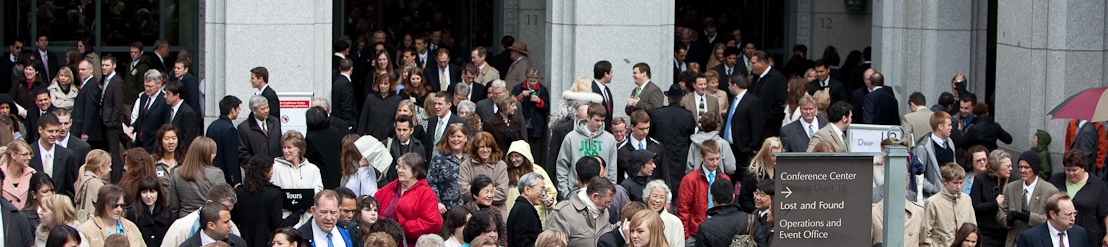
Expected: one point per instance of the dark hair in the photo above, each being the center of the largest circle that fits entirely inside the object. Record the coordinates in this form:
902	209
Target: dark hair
946	99
838	111
964	232
600	68
967	160
228	103
210	213
762	56
597	110
388	226
968	97
364	202
866	54
341	45
345	194
316	118
727	52
40	91
145	184
507	41
710	122
257	172
110	57
1074	157
416	163
723	191
183	61
831	56
179	153
479	223
261	72
292	235
454	218
345	64
767	186
405	119
643	67
918	99
175	87
587	168
600	185
37	181
48	119
106	198
478	183
801	48
61	235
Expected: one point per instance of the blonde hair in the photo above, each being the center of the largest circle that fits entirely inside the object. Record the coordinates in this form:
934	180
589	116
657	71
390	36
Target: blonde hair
94	161
993	167
13	147
62	208
823	99
67	72
581	85
551	238
761	163
654	223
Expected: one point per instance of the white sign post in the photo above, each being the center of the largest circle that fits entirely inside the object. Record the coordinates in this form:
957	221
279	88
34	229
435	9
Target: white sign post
867	137
294	105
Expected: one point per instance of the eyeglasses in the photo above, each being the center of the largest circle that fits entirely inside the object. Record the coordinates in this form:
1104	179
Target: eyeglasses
1069	214
120	205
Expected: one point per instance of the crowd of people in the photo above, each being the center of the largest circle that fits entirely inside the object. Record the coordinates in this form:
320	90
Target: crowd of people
415	148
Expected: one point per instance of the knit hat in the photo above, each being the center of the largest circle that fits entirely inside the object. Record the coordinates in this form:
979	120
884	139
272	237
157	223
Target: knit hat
638	159
1032	159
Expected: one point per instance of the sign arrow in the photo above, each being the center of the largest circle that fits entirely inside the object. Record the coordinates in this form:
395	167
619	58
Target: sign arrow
294	201
788	192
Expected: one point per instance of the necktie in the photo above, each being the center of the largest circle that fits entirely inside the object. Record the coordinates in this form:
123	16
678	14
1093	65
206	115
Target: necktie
45	64
607	101
844	140
701	108
439	129
711	179
811	130
1026	199
730	115
444	80
641	147
48	164
265	129
729	71
1062	239
635	93
330	243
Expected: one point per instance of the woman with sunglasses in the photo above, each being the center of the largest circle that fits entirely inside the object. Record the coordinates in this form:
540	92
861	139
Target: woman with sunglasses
987	194
108	219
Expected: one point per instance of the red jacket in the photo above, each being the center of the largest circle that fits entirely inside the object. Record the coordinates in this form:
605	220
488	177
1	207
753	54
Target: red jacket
692	199
414	211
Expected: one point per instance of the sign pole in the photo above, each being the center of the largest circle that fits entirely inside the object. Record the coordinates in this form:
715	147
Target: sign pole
896	163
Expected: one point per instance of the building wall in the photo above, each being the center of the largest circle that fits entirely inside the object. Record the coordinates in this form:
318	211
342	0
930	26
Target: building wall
819	24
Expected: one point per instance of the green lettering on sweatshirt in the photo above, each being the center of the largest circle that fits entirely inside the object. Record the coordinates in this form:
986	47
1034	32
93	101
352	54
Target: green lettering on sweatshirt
591	147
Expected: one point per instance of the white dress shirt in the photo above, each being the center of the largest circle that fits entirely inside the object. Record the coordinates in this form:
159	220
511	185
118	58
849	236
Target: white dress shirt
320	237
47	156
1054	235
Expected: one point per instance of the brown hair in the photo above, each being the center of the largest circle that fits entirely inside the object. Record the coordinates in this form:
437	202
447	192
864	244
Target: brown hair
964	232
1052	203
349	155
198	158
484	139
379	239
798	88
640	116
261	72
631	208
415	163
444	146
824	146
1074	157
952	172
138	164
709	147
296	139
938	118
106	198
417	92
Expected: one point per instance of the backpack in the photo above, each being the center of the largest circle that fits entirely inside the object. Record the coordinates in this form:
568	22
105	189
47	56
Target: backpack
745	240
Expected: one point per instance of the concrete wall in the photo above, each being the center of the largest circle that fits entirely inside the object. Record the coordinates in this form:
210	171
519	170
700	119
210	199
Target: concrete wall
1046	51
526	21
582	32
290	38
819	24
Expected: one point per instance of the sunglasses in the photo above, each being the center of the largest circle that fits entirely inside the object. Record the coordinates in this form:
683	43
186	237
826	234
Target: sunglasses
120	205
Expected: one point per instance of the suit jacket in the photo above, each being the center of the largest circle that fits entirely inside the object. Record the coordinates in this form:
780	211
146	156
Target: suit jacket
608	103
157	62
232	240
523	224
838	91
17	231
517	72
87	114
188	126
795	138
710	101
432	73
557	134
32	123
51	60
477	91
6	75
917	124
673	126
432	128
746	127
487	74
880	107
112	105
1013	194
1039	236
827	133
623	155
226	137
649	99
274	102
858	100
772	90
613	238
343	105
80	149
309	235
253	141
192	92
150	120
132	77
65	170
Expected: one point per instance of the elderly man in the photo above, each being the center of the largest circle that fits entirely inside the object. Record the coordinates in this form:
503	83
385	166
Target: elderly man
322	231
261	132
524	224
149	110
584	216
485	72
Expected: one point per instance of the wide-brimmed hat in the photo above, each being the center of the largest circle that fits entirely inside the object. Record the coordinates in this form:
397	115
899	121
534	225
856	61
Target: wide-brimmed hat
520	47
675	91
373	151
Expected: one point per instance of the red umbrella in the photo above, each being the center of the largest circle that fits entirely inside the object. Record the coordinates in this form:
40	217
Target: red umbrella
1091	104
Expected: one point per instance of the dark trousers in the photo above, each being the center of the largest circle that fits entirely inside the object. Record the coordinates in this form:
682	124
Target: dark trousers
113	140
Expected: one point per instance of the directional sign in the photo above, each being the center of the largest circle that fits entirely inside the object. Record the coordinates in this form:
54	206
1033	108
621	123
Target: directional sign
823	199
296	199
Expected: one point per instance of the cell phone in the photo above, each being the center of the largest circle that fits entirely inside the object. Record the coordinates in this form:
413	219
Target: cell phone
534	92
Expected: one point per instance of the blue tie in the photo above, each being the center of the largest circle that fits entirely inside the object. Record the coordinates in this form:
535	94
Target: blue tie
329	242
730	115
640	146
711	179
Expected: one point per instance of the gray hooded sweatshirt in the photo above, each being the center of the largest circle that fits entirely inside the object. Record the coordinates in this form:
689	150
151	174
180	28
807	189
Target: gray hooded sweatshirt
581	143
726	157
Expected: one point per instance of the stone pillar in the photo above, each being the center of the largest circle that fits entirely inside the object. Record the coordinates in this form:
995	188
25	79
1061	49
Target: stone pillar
525	20
580	33
1046	52
921	45
290	38
829	23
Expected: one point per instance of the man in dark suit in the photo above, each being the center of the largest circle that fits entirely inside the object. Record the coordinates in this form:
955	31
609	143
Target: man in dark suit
151	109
442	73
46	60
161	53
504	59
523	224
697	53
52	159
17	230
132	74
113	115
772	88
727	68
403	143
796	135
42	102
80	148
824	80
215	225
486	108
261	133
646	96
1059	229
324	220
436	125
180	114
858	74
477	92
602	75
86	108
880	104
226	137
673	125
745	121
259	79
8	62
680	53
342	49
191	94
798	64
342	93
639	139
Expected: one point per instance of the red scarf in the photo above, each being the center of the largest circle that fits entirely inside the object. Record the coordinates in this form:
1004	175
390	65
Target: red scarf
30	81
